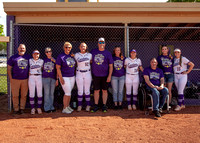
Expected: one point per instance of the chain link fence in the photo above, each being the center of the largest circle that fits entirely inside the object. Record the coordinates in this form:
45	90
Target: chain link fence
146	40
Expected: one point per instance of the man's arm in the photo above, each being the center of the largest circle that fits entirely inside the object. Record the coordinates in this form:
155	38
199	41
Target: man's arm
162	80
9	69
148	82
110	72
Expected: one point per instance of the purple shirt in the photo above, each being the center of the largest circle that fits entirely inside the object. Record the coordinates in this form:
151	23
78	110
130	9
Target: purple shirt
154	75
49	69
100	62
20	66
165	63
118	67
67	63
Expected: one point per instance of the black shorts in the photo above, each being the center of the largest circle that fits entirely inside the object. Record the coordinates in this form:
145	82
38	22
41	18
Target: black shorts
100	83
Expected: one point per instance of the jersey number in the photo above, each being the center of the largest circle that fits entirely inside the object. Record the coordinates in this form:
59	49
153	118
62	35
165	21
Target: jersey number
87	64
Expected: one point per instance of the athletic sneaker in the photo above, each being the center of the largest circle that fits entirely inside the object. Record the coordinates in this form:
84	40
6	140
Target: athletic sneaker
39	110
70	108
134	107
95	109
160	110
129	107
116	107
104	108
87	108
33	111
178	108
157	113
120	107
79	108
66	110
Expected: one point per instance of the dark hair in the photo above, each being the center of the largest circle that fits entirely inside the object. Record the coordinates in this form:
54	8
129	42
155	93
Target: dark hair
169	54
121	54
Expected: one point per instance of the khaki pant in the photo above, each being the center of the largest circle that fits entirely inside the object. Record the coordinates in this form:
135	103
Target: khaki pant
16	86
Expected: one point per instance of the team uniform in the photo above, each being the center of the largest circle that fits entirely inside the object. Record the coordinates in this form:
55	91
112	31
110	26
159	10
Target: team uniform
35	81
166	64
20	69
118	79
132	78
48	81
180	79
67	63
83	76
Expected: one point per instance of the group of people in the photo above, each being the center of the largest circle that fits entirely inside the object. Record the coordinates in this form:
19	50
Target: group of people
100	66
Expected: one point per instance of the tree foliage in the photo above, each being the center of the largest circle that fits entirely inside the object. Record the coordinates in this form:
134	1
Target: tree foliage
183	1
3	45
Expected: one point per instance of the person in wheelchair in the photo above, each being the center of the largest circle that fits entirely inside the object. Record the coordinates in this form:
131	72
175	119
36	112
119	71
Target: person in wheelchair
154	80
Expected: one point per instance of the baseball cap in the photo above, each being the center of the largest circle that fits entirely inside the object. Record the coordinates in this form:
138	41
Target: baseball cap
133	50
101	40
177	50
36	52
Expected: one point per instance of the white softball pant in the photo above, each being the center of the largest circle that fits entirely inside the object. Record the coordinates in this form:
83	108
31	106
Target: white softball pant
69	84
132	81
180	82
35	81
83	82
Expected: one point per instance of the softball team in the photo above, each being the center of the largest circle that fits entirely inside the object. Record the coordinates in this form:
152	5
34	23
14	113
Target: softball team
123	70
180	75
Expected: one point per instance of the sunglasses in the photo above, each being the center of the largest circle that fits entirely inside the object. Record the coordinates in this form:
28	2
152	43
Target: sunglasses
48	51
101	42
67	47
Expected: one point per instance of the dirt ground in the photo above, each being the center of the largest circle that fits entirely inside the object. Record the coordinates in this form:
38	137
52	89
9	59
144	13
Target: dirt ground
113	126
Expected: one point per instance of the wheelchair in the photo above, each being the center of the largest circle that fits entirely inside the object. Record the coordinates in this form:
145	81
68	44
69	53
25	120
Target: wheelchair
145	100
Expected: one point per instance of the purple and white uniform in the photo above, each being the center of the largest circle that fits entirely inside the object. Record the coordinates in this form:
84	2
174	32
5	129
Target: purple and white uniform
35	81
100	62
20	66
67	63
132	78
83	76
180	79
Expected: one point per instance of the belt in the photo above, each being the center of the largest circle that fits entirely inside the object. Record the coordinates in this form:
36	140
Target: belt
83	70
36	74
131	74
178	73
167	73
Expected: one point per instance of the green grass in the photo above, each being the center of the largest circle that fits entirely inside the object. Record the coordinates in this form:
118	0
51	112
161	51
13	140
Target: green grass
3	80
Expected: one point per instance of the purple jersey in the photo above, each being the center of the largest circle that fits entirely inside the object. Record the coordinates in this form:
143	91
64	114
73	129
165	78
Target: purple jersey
49	69
20	66
118	67
165	63
100	62
154	75
67	63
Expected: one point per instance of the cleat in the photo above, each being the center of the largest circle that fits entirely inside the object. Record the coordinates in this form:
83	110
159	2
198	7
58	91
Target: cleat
33	111
79	108
178	108
39	110
134	107
87	108
129	108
